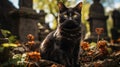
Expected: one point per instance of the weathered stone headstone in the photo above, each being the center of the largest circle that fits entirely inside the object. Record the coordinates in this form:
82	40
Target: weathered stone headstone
44	28
27	25
116	19
5	20
26	3
27	19
97	19
115	31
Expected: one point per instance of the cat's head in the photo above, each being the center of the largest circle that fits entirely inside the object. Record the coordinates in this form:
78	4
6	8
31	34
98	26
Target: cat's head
69	18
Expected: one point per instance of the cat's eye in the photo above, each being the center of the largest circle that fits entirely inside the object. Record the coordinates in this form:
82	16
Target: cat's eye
74	16
65	16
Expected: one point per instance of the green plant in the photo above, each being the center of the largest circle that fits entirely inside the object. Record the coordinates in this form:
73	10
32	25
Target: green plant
8	35
18	60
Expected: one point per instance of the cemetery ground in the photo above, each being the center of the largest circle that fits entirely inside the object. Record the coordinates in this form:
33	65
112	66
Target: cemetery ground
101	53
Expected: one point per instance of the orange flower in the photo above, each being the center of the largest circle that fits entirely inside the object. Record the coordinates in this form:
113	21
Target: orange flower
102	47
34	56
31	42
30	37
102	44
90	53
99	30
85	45
53	65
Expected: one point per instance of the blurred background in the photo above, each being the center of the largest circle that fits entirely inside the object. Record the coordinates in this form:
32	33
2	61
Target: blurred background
25	23
50	8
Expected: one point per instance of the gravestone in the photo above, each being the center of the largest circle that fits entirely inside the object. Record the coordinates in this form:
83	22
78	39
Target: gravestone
116	19
97	19
26	19
5	20
44	28
26	3
115	31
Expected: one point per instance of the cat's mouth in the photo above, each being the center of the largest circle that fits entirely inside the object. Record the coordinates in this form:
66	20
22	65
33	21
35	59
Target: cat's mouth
71	30
70	33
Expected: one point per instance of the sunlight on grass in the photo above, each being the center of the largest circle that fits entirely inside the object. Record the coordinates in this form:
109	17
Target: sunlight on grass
9	45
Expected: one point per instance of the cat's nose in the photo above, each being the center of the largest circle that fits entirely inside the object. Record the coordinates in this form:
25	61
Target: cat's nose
70	18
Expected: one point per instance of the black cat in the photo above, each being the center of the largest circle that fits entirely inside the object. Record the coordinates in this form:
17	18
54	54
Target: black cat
62	45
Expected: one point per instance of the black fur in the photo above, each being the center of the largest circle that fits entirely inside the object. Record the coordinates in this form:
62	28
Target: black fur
62	45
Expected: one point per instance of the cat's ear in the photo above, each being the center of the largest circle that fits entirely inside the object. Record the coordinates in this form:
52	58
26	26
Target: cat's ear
79	7
61	7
